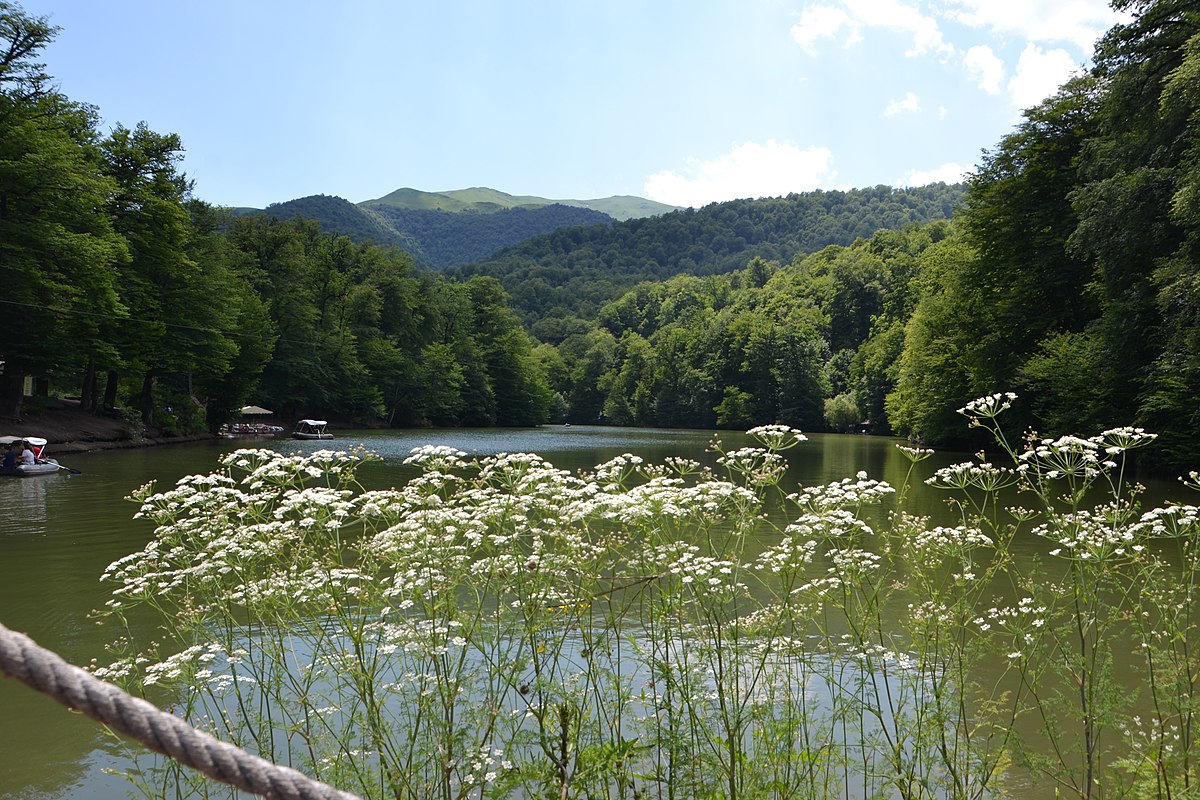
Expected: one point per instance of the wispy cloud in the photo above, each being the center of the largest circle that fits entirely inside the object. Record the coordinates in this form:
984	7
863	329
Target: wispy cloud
748	170
909	105
821	22
851	16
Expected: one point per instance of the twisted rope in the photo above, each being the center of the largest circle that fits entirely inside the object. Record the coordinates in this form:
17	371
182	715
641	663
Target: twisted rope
38	668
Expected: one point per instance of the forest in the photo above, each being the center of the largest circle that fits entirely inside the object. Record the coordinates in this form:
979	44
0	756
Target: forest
1064	270
434	238
1069	276
574	271
124	290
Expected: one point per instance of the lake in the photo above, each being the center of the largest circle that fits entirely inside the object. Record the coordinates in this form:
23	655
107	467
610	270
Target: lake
59	532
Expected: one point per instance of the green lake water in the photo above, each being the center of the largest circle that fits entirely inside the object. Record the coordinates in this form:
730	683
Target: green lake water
59	532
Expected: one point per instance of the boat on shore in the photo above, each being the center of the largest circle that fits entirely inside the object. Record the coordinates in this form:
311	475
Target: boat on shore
311	429
41	465
237	430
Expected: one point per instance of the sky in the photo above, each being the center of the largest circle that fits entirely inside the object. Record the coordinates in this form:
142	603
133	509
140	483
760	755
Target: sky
686	102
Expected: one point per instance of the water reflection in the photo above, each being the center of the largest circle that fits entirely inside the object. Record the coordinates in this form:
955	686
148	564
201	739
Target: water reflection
24	501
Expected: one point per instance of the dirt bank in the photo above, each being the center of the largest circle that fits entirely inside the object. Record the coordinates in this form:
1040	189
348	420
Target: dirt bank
69	429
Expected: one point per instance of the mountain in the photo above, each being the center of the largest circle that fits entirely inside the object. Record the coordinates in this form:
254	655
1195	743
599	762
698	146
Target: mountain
485	200
447	238
442	229
336	215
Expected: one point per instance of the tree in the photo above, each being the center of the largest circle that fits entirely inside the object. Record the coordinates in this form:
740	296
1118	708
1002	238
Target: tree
841	413
178	319
936	372
58	258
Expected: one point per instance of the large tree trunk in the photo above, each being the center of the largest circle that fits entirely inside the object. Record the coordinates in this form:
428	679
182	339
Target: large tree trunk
12	393
87	391
110	389
147	399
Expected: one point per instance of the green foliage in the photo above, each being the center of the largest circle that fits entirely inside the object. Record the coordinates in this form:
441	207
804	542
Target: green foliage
735	411
842	414
338	216
579	270
446	238
934	372
752	347
1079	254
118	271
364	336
59	259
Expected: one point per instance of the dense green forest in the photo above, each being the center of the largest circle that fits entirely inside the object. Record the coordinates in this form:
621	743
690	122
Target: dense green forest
573	271
1069	275
335	215
446	238
1065	270
123	289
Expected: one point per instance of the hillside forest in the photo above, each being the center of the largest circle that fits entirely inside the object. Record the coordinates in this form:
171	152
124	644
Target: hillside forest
1065	270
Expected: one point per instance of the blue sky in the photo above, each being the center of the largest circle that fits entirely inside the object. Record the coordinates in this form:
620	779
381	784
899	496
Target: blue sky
683	102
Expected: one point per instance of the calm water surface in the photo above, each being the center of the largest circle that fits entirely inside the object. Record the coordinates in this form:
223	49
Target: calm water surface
59	532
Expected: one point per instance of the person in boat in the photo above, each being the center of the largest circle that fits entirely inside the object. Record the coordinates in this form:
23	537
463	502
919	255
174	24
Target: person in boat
27	456
10	458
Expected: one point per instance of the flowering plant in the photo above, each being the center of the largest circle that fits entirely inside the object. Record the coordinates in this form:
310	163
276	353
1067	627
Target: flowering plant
499	627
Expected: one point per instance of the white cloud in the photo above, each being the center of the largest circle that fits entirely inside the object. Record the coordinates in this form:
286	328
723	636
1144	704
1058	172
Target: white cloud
910	104
820	22
827	21
1079	22
1039	73
749	170
949	172
984	68
897	16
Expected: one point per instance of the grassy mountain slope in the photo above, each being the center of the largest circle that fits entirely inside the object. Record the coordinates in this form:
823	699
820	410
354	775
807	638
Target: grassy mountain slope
484	200
442	229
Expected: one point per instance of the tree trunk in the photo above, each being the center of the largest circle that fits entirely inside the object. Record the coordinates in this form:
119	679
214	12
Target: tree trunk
147	399
110	389
12	394
87	391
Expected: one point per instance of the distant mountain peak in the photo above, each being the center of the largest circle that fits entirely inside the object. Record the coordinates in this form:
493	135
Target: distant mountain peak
483	199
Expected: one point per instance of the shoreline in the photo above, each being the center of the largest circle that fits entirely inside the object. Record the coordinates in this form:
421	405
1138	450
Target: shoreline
69	429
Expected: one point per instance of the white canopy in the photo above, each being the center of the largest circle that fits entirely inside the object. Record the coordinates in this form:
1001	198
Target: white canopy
314	423
36	441
249	411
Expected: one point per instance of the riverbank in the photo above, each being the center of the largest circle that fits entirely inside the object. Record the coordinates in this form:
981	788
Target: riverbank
70	429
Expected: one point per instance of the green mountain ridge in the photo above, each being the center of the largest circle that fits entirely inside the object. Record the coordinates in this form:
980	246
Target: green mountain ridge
443	229
482	199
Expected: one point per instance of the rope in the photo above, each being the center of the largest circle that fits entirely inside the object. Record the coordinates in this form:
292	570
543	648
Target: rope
38	668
